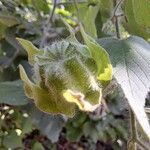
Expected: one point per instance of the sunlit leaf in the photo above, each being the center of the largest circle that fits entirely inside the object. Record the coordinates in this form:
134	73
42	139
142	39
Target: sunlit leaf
89	14
131	62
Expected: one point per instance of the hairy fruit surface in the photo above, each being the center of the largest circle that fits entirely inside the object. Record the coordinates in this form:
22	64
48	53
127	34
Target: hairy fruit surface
65	76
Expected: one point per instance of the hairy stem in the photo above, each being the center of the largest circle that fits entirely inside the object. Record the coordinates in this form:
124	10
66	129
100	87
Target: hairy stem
134	134
47	25
53	10
115	18
133	129
147	110
142	145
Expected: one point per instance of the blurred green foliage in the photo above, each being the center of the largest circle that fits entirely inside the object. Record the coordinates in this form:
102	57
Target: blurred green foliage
22	125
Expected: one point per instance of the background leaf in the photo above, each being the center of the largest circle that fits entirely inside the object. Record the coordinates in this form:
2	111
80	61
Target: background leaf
8	20
131	62
41	5
37	146
137	14
12	140
49	125
12	93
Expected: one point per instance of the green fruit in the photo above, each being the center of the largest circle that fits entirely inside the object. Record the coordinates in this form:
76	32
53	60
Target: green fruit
66	75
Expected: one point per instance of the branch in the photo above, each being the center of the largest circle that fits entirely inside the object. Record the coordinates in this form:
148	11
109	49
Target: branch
47	24
53	10
141	144
115	17
134	135
117	6
147	110
133	129
110	88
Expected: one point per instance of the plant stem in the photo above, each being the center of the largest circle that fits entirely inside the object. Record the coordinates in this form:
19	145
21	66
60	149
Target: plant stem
133	128
133	125
116	18
141	144
47	25
116	6
147	110
134	135
53	10
110	88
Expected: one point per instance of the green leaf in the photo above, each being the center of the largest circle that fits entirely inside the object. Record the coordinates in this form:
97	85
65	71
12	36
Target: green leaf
87	15
88	19
72	36
132	145
112	133
12	140
137	14
2	31
49	125
90	130
44	101
141	11
87	128
37	146
131	62
106	8
41	5
79	120
100	56
8	20
73	134
26	125
10	37
30	48
12	93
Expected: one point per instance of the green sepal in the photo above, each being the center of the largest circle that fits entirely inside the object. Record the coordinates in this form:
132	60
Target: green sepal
100	56
30	48
64	78
45	100
72	36
28	85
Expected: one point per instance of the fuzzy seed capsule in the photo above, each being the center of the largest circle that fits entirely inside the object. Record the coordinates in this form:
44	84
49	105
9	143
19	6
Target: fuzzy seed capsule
65	76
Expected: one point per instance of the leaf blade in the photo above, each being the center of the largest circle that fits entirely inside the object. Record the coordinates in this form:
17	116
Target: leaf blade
12	93
131	62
